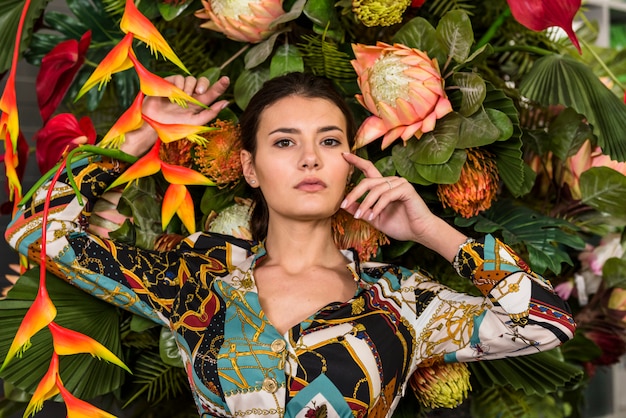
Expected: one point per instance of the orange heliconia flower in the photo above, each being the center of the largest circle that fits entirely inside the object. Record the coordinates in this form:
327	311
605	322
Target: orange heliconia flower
40	314
68	342
171	132
46	389
130	120
77	408
357	234
219	159
403	89
136	23
116	60
175	200
476	188
153	85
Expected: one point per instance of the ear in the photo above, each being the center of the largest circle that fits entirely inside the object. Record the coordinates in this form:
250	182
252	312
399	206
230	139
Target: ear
247	164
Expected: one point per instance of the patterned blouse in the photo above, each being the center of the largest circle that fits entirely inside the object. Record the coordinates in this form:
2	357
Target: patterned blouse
352	359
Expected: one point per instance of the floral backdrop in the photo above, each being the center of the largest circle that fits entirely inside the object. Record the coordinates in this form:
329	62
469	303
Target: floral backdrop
505	119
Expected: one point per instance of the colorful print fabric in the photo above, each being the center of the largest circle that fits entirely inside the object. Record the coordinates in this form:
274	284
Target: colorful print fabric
350	359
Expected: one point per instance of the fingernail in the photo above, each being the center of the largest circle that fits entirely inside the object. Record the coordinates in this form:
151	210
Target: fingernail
223	105
357	214
369	218
344	203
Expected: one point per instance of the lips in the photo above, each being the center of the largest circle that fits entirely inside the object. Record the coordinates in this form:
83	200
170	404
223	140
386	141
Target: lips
311	185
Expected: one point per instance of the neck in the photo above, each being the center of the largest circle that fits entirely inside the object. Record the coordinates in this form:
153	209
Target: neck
297	245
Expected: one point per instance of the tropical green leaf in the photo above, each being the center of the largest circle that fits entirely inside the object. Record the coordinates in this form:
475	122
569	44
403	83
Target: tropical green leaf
556	79
567	133
520	373
168	349
325	18
324	58
473	90
496	99
455	30
92	14
402	157
604	189
10	12
86	377
436	147
516	175
171	11
260	52
294	12
544	237
613	272
285	60
385	166
248	83
418	33
479	130
446	173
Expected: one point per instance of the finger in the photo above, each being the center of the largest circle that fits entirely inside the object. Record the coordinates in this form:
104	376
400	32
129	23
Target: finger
379	194
177	80
189	85
214	91
202	85
366	166
207	115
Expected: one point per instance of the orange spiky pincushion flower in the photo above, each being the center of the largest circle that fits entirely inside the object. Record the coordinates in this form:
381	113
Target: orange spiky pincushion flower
476	188
441	385
219	160
357	234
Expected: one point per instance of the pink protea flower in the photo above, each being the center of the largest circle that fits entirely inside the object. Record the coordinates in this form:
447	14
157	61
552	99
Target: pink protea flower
585	158
241	20
403	89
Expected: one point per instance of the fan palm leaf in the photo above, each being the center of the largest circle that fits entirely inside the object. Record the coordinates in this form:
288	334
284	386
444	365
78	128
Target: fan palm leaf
325	59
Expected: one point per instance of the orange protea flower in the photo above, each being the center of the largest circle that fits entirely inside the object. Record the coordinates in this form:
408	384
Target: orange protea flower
357	234
241	20
441	385
219	159
403	89
476	188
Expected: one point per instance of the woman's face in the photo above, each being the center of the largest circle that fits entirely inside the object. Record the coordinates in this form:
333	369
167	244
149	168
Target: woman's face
298	163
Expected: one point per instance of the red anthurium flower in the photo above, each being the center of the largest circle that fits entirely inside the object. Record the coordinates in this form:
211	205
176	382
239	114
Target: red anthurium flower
116	60
77	408
136	23
62	133
538	15
129	121
153	85
46	389
174	131
417	3
57	71
67	342
39	315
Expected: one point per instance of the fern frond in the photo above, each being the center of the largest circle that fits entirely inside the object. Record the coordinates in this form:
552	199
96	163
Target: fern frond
323	58
114	7
441	7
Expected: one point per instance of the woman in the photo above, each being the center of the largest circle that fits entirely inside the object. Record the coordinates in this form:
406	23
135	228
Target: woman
290	324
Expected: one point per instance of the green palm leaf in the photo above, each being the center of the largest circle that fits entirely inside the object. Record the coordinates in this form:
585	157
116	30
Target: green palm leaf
521	373
441	7
557	79
544	237
85	376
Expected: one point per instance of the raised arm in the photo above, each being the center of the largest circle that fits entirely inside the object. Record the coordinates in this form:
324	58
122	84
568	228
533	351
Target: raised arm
142	281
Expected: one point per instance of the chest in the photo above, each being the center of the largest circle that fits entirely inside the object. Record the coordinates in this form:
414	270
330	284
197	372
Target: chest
360	349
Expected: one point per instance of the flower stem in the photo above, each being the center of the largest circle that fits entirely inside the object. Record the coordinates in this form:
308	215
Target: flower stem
491	32
234	57
524	48
86	152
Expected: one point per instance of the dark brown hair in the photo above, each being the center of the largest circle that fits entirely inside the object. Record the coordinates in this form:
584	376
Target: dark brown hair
291	84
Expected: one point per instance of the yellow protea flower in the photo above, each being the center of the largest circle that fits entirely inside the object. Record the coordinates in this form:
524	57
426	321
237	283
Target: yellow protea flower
379	12
477	187
441	386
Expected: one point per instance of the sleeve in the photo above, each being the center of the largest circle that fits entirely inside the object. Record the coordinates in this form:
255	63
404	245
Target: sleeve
141	281
519	314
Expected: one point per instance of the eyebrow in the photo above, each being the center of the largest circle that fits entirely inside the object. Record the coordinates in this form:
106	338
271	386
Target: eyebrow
295	130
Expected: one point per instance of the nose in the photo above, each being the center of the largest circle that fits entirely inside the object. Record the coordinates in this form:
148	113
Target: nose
310	158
